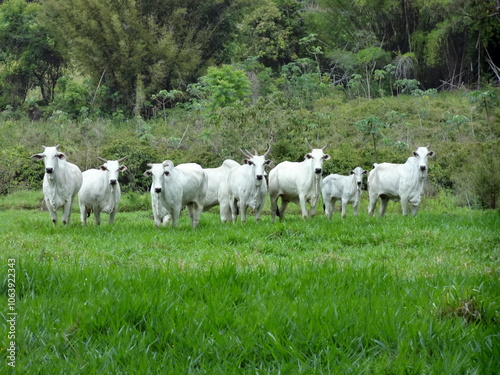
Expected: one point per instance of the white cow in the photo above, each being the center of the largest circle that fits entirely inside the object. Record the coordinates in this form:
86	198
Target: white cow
173	188
247	185
61	182
297	182
403	182
100	191
345	188
217	193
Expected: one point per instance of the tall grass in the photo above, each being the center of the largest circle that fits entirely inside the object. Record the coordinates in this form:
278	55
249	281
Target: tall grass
416	295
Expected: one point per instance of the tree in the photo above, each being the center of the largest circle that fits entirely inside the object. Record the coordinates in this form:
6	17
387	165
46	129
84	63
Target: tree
141	48
29	57
371	126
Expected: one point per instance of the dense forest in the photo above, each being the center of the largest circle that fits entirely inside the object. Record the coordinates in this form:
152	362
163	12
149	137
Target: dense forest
198	79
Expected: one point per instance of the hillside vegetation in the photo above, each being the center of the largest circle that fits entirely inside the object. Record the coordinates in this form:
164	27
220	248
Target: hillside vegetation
463	132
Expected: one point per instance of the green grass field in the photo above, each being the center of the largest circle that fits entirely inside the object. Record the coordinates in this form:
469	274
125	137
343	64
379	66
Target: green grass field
398	295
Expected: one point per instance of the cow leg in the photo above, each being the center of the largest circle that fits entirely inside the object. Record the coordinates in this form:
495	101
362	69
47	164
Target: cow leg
243	211
195	213
225	210
112	216
175	217
355	208
344	208
414	209
97	215
404	205
329	206
83	214
372	205
67	211
303	208
284	204
383	205
274	207
52	211
234	209
258	212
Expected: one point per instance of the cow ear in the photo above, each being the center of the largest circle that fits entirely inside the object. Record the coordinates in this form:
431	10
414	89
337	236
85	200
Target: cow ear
122	168
267	162
38	156
326	157
415	153
247	161
148	173
103	168
365	172
431	153
308	156
61	156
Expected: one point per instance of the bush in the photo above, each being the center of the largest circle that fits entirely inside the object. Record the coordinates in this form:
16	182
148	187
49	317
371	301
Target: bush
18	171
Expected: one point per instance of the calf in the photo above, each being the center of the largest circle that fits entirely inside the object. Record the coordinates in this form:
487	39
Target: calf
100	191
174	188
61	182
345	188
403	182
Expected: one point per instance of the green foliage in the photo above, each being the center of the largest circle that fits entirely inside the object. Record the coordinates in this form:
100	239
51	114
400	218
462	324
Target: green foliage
221	87
29	56
19	171
372	126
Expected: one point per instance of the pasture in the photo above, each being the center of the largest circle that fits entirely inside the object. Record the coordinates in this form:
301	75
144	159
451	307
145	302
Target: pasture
393	295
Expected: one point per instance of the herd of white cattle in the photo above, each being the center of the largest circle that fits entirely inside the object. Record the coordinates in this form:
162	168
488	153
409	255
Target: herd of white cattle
233	187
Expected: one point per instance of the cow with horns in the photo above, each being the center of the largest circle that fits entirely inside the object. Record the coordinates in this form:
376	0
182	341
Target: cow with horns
396	182
247	186
298	182
61	182
100	191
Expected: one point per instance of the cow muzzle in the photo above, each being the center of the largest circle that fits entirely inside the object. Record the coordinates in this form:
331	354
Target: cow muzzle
259	177
112	182
49	170
423	168
157	190
318	170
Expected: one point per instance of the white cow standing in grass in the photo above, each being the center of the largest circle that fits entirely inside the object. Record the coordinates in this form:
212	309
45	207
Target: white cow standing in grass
100	191
396	182
173	188
347	189
247	185
61	182
217	191
298	182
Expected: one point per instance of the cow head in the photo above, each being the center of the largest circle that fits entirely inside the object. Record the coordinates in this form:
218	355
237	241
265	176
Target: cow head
422	154
159	172
358	173
317	157
51	158
257	163
112	168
